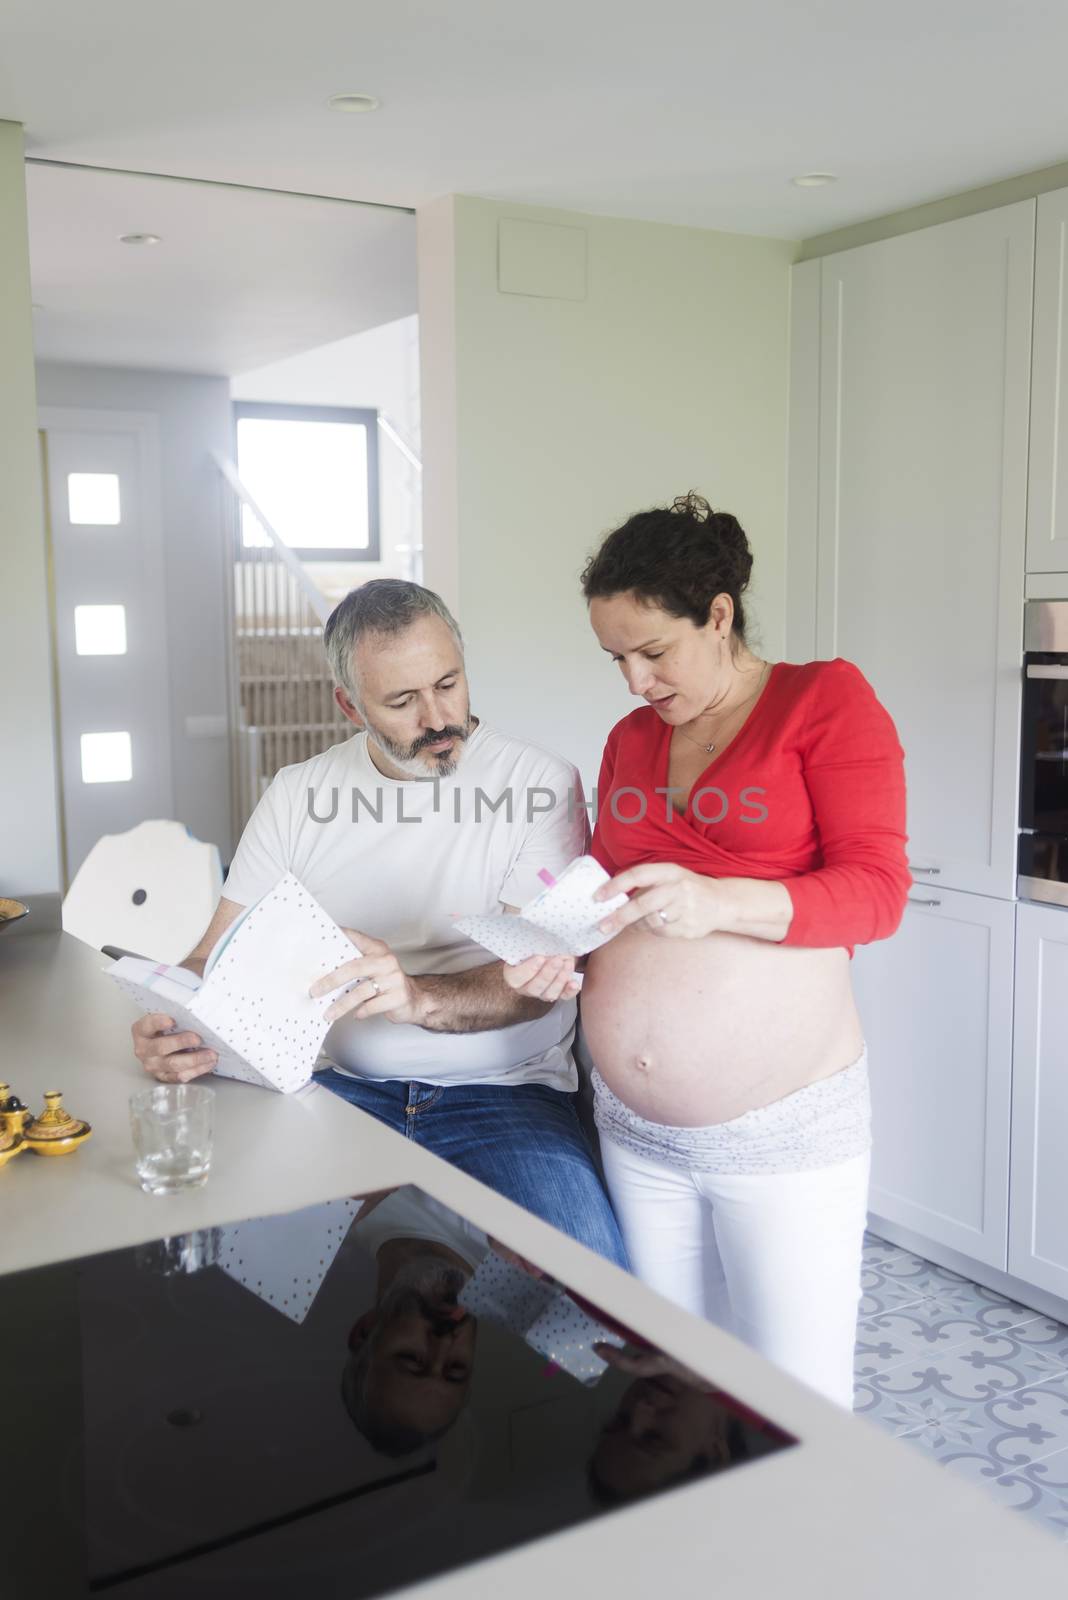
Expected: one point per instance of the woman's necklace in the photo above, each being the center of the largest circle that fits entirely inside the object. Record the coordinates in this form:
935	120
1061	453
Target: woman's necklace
709	749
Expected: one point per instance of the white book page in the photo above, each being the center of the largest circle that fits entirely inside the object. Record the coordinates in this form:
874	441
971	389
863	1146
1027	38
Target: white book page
161	995
257	997
283	1260
560	921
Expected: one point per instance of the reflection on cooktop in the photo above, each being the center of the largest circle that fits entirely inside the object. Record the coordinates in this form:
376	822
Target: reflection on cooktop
339	1401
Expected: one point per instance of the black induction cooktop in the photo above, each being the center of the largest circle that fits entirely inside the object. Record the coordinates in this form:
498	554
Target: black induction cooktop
337	1401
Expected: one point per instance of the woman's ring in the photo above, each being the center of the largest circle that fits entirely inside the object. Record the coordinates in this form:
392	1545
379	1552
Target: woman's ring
663	916
375	987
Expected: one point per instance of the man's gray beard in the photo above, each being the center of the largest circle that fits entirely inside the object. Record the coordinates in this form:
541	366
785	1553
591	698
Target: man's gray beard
416	766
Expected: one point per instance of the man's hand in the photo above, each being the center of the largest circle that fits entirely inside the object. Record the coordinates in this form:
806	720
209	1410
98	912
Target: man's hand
472	1001
170	1057
549	978
382	987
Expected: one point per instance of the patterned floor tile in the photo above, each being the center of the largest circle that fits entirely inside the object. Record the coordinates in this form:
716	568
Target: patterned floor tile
1032	1424
890	1415
877	1351
974	1380
976	1370
945	1320
1011	1490
935	1424
876	1249
1005	1435
923	1277
883	1293
1045	1334
1051	1473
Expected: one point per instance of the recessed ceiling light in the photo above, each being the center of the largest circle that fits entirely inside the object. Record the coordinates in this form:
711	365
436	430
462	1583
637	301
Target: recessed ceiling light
354	104
140	238
814	180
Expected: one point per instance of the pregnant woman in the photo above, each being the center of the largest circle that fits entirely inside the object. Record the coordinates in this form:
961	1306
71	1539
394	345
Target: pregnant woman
755	814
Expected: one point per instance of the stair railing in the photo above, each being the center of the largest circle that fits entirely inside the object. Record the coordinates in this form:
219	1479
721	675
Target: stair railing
281	694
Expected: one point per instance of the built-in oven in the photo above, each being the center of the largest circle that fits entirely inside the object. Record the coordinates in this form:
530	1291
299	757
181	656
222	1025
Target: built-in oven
1043	859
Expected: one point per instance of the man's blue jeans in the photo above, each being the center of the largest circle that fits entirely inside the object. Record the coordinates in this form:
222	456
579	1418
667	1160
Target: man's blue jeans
524	1140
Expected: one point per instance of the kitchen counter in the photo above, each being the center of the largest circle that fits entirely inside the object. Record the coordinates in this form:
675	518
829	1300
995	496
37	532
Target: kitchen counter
849	1512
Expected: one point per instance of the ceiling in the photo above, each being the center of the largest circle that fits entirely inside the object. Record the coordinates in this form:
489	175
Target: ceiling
688	111
240	279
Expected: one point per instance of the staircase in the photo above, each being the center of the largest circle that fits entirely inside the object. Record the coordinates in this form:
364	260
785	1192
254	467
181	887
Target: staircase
281	693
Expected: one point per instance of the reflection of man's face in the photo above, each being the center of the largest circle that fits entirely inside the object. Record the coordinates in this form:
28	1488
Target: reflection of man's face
413	1356
662	1430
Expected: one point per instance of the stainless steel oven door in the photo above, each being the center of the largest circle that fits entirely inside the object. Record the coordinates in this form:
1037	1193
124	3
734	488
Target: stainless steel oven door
1043	861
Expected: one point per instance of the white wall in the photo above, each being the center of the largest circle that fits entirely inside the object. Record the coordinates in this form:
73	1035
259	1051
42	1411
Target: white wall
668	372
194	419
29	851
378	369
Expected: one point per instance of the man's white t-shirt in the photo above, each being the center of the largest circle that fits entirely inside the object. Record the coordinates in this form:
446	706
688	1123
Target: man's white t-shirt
400	859
410	1214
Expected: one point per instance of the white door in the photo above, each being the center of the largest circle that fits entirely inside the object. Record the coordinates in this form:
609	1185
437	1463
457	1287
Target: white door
936	1006
1047	504
110	624
925	346
1038	1228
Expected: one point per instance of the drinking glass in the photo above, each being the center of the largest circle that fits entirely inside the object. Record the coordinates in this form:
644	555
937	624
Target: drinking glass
171	1125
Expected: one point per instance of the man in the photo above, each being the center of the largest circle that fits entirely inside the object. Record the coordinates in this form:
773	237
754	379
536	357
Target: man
412	1353
423	815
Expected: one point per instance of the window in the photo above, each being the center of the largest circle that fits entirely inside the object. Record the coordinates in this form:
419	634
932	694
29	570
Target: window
100	630
106	758
93	499
313	471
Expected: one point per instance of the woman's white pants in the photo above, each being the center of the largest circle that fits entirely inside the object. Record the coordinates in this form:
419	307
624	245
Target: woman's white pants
772	1257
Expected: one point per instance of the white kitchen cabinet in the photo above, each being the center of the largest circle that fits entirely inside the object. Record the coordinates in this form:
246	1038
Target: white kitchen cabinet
1047	505
936	1006
920	515
1038	1225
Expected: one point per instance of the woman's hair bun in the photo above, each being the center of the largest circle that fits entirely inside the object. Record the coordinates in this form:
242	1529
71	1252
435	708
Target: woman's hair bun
724	528
679	557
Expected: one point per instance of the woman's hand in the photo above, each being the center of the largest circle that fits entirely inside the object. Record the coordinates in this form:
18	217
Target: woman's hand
548	978
667	900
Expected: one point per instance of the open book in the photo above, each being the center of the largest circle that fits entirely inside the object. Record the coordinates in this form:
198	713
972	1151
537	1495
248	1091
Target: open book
252	1005
543	1312
560	921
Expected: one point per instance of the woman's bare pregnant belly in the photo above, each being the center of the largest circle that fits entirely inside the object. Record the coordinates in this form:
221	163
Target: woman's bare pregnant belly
696	1031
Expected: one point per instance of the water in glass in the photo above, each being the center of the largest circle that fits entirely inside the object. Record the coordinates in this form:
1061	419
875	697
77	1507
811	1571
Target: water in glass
172	1134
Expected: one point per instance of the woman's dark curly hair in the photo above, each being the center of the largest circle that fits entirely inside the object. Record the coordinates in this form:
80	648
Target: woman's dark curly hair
677	557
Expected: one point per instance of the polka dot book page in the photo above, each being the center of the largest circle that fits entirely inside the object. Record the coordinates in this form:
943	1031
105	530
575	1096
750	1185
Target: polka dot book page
560	921
283	1260
546	1317
505	1293
565	1335
154	988
256	995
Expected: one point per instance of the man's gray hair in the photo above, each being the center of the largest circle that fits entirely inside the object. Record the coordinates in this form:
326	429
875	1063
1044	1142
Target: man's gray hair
382	607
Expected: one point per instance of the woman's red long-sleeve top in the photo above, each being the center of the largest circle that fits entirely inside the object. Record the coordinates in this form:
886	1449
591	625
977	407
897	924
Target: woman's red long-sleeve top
810	793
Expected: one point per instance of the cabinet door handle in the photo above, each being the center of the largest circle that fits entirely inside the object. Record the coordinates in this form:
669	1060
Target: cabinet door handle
915	901
1049	669
932	872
